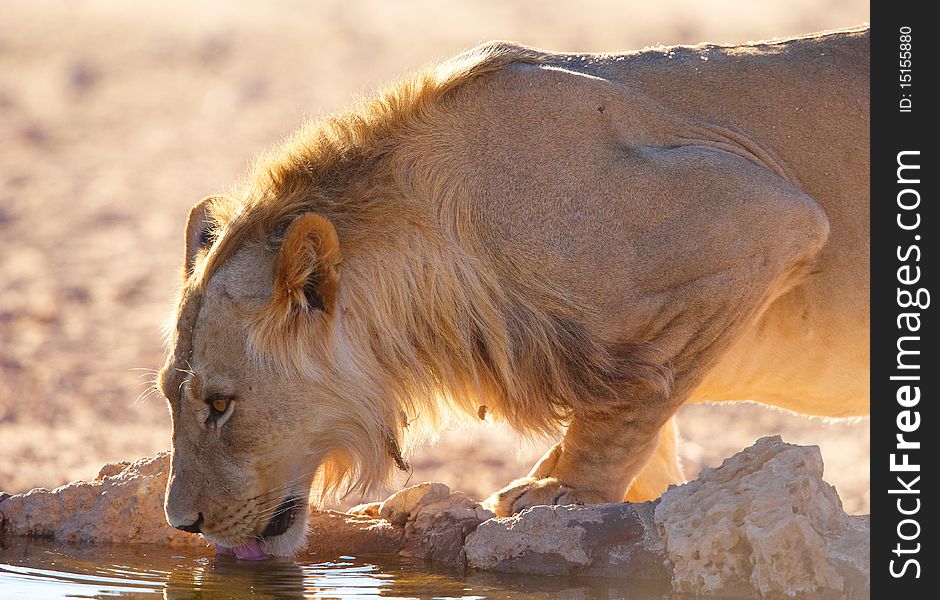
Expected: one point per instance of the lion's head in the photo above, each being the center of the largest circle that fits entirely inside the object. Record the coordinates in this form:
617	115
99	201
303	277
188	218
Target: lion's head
251	433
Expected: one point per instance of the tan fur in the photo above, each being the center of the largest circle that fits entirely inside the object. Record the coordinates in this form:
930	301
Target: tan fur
576	242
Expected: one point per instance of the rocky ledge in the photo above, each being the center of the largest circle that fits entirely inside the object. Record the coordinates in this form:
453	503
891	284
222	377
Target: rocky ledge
763	524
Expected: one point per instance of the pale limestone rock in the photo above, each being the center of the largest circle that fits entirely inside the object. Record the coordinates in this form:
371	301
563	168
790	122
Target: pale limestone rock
764	522
610	540
435	520
543	531
335	533
850	554
123	504
398	508
369	509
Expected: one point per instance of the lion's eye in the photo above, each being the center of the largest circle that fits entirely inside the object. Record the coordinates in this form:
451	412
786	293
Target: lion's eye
219	405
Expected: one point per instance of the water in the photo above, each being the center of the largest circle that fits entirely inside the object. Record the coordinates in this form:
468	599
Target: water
44	569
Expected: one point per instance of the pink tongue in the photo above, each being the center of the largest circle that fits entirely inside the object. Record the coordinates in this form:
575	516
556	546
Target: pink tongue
250	550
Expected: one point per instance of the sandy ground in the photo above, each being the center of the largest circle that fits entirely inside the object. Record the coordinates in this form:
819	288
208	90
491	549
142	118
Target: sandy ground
117	116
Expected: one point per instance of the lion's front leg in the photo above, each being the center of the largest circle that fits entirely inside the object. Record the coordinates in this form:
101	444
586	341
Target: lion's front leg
575	471
662	470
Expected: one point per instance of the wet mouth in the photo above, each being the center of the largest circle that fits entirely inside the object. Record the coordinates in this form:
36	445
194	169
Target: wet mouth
283	517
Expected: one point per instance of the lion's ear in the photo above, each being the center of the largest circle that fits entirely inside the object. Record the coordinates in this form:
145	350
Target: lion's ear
307	271
199	233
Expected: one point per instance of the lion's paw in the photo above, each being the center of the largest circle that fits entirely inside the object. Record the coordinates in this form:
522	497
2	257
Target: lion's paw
529	491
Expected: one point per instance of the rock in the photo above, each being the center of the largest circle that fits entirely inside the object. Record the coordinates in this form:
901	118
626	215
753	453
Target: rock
369	509
112	469
609	540
400	505
426	521
850	554
336	533
764	522
437	521
123	504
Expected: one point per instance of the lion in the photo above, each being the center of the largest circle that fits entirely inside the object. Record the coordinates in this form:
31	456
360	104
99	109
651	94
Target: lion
574	244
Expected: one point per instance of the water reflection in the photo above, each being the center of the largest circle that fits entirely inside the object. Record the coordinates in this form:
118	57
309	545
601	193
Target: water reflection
43	569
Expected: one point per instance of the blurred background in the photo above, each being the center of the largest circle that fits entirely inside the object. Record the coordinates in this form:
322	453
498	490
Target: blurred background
115	117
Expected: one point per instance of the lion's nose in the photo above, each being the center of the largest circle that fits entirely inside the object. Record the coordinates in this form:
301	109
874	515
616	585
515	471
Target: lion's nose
193	527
